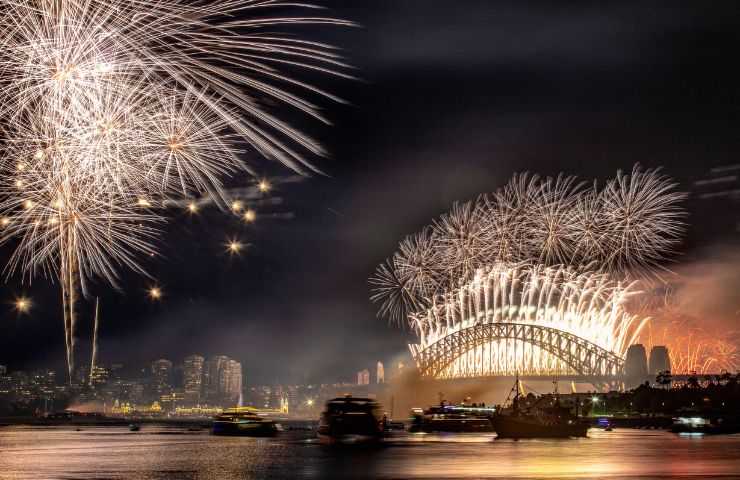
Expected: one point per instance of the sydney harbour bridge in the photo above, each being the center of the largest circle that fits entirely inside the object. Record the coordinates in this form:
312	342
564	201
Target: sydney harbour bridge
533	323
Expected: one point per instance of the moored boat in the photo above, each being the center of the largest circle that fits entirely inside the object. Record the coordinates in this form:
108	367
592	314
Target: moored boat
452	418
537	421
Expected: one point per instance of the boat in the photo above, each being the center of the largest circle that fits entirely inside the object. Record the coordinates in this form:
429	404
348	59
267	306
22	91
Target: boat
243	421
351	420
452	418
134	427
537	421
705	426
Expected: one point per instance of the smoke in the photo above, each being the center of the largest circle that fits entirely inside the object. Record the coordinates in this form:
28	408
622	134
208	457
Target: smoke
697	313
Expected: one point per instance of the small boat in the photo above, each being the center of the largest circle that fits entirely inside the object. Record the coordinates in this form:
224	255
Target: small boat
243	421
538	421
452	418
134	427
705	426
351	420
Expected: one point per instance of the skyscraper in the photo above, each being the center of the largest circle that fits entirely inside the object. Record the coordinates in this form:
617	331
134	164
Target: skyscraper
380	373
363	377
222	378
192	378
162	376
232	382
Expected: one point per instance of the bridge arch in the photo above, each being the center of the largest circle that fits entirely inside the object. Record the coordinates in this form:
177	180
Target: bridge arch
584	357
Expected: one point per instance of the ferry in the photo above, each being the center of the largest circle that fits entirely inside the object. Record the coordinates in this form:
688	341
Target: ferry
537	421
705	426
351	420
243	421
452	418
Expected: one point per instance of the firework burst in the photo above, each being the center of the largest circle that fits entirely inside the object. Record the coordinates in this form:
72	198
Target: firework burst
112	107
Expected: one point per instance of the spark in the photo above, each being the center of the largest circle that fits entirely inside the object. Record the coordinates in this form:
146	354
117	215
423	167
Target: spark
234	246
237	206
22	304
264	186
155	293
250	216
193	207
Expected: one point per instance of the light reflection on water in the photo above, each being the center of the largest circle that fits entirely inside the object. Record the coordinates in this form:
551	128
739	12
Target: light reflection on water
158	453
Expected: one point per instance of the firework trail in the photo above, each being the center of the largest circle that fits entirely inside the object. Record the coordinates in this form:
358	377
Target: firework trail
110	107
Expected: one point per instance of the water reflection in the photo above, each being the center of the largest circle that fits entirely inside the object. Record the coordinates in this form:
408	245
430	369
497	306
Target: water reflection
158	453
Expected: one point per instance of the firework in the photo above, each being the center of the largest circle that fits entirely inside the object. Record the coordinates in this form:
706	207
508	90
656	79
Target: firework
583	303
112	107
627	229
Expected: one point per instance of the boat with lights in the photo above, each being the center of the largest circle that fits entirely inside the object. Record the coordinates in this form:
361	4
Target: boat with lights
351	420
243	421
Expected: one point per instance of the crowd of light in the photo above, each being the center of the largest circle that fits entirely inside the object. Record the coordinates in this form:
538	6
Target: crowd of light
110	108
587	304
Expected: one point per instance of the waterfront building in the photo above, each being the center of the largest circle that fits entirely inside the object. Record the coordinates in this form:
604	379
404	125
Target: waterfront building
161	376
380	373
363	377
222	379
192	379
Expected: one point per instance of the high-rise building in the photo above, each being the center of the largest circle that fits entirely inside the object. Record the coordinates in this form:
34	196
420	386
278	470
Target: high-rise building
162	376
192	379
211	378
222	380
660	361
232	382
3	370
363	377
380	373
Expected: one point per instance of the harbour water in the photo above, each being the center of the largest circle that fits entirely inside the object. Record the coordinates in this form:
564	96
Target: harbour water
164	453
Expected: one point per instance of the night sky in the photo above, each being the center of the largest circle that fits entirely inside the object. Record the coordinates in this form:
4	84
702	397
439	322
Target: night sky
452	98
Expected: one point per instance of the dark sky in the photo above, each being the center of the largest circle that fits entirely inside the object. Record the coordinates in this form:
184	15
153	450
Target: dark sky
454	98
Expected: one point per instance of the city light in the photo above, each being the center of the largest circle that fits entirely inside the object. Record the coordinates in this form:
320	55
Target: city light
193	207
237	206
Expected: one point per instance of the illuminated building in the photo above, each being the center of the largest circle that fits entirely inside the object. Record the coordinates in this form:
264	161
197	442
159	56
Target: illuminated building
363	377
380	373
99	376
192	378
222	380
161	376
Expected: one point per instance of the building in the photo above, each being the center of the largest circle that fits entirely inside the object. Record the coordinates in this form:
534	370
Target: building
660	361
231	383
192	379
363	377
3	370
380	373
222	380
161	377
